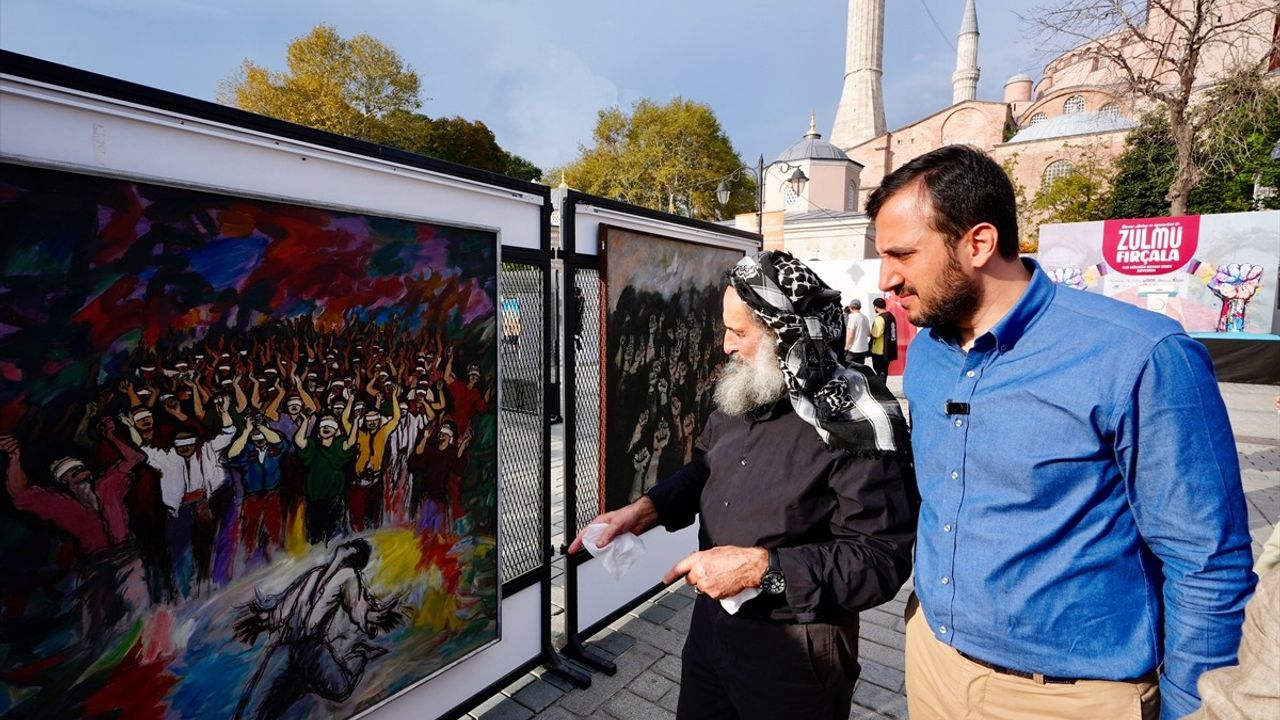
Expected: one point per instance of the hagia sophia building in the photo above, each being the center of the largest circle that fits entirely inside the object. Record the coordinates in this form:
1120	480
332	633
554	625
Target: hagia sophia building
1039	129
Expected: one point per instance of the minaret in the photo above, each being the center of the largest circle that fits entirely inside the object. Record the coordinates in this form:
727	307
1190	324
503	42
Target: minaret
860	116
964	81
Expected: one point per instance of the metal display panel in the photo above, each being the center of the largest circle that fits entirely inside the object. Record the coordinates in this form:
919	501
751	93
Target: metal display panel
58	118
593	598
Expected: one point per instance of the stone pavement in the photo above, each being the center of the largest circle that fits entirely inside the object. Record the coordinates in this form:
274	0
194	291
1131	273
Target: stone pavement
645	644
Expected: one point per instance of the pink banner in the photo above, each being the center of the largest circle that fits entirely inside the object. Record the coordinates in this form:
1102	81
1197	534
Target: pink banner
1150	246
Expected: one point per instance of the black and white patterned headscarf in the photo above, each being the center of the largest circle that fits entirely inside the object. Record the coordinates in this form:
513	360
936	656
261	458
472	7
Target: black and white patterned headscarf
849	406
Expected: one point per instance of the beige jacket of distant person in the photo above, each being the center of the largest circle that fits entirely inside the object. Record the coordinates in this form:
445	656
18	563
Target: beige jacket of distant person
1249	690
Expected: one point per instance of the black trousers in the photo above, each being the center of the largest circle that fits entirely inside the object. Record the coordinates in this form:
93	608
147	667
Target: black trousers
736	668
880	365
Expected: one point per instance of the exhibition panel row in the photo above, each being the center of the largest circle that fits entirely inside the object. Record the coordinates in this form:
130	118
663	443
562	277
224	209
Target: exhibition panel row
276	409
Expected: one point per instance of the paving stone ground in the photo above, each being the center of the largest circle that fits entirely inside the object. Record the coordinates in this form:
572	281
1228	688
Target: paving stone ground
645	644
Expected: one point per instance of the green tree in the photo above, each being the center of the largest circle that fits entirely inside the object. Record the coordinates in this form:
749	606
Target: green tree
342	86
1028	227
663	156
1241	128
1154	50
1144	171
1233	148
1079	196
455	139
363	89
518	167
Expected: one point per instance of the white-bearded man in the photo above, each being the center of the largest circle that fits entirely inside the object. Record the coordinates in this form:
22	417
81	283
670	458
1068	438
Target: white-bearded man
802	480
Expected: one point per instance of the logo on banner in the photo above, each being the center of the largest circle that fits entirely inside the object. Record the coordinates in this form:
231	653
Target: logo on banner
1150	246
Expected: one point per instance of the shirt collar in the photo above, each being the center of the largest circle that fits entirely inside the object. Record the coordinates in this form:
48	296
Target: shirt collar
1009	330
1035	299
771	411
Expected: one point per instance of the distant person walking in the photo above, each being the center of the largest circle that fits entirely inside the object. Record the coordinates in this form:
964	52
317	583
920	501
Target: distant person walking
884	339
857	336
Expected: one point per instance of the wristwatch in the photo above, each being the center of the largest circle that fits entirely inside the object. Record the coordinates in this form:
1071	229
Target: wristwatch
773	582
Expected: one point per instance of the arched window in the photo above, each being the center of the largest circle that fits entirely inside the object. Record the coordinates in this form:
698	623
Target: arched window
1038	118
1074	104
1110	110
1056	169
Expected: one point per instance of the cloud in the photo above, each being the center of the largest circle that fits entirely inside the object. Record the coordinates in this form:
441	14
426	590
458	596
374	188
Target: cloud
548	97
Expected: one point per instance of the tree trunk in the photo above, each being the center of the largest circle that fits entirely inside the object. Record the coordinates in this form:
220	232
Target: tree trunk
1188	171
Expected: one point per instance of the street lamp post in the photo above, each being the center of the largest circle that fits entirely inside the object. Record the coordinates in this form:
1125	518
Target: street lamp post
796	180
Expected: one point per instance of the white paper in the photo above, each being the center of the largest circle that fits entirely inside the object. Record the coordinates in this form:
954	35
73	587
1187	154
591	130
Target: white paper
625	549
733	604
619	555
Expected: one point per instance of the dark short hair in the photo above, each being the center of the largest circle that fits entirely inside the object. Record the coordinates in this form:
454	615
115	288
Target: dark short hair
361	552
965	187
879	302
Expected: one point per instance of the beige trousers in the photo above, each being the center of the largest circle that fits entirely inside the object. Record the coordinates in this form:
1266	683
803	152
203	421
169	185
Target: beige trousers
943	685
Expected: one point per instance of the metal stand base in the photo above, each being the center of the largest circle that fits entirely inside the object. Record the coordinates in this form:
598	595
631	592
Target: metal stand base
556	663
576	650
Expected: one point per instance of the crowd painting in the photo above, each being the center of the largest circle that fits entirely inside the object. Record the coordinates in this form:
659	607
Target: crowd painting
662	355
249	452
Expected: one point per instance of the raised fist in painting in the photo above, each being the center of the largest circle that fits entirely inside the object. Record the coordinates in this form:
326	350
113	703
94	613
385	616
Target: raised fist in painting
1069	276
1235	285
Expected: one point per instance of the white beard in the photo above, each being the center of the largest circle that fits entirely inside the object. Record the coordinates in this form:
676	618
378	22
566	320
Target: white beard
745	386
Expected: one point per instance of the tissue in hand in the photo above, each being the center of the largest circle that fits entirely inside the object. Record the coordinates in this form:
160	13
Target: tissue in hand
619	555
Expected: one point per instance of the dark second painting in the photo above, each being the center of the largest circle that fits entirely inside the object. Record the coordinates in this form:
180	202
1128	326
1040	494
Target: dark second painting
662	356
249	452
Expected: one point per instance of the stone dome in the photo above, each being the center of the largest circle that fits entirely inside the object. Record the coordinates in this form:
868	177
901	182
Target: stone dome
812	147
1020	77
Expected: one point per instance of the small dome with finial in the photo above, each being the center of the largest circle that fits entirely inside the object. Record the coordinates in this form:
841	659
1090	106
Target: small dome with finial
812	147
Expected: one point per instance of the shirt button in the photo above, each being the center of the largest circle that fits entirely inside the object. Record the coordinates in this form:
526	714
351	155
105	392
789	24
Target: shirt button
942	629
970	373
945	580
946	528
959	423
726	503
743	461
955	475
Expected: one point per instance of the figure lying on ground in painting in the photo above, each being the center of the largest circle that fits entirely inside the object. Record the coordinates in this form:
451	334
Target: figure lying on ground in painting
323	623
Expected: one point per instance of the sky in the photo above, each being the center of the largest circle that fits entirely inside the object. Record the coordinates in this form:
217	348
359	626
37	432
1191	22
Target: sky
538	72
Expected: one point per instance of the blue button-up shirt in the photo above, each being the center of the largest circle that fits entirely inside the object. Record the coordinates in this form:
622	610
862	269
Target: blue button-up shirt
260	468
1086	517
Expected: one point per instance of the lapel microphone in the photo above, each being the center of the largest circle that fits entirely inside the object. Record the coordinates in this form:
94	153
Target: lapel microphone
951	407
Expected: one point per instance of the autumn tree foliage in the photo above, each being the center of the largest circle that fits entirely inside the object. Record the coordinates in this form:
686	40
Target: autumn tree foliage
666	156
361	88
1156	50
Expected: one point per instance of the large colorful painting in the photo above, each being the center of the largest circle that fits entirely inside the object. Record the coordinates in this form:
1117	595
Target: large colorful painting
249	452
661	357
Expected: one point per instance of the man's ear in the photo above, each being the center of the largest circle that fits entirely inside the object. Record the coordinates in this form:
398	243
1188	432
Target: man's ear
981	244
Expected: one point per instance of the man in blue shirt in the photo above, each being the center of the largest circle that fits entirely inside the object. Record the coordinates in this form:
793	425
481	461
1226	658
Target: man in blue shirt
257	453
1083	547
